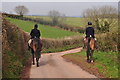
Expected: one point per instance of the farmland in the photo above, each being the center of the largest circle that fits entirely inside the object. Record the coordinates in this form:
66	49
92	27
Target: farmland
71	21
46	31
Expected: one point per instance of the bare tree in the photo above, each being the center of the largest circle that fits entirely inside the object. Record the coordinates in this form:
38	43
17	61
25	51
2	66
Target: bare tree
101	17
55	15
62	18
21	10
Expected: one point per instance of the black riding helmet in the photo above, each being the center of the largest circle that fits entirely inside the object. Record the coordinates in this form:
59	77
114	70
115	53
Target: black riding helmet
89	23
35	26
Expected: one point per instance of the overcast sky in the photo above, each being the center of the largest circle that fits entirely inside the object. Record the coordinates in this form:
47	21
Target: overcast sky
42	8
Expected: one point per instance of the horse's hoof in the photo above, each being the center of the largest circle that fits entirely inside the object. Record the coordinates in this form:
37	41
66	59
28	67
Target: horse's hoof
33	63
89	61
37	65
92	61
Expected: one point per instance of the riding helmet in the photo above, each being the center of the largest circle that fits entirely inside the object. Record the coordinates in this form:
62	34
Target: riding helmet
89	23
36	26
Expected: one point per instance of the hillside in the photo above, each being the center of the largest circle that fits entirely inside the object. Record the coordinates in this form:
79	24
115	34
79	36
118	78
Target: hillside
46	30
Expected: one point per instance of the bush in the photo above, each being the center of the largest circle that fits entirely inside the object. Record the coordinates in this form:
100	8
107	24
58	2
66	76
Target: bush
108	41
61	43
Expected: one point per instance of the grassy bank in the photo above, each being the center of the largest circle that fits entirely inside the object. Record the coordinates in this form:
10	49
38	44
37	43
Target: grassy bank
105	65
13	48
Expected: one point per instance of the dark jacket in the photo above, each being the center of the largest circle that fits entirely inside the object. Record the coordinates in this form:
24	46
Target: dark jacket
35	32
90	31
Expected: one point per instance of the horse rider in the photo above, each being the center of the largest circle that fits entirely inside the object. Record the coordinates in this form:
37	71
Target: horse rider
89	32
34	33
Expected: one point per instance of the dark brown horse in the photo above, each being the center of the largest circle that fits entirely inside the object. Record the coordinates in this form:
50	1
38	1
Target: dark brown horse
36	46
90	46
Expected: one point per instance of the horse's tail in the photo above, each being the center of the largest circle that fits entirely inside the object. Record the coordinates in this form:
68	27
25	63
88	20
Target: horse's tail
89	40
35	46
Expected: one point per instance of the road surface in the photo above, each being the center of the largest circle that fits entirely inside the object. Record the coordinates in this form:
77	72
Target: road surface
54	66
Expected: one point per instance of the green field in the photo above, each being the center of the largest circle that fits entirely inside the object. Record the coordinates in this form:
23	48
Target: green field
105	62
75	21
46	18
46	31
72	21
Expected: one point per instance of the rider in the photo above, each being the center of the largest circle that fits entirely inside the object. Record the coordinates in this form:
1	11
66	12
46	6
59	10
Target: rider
89	32
34	33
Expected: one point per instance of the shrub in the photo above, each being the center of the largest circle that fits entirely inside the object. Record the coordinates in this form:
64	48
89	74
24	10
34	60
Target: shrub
108	41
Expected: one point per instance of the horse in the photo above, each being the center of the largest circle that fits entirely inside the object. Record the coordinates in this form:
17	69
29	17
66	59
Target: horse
90	46
35	46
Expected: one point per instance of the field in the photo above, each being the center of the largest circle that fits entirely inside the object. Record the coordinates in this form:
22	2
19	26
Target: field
105	63
46	18
75	21
72	21
46	31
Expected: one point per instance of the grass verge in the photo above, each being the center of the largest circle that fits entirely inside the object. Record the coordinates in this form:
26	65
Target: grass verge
105	65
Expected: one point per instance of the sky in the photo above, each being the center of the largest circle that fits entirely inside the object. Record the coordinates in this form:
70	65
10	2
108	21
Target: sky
60	0
42	8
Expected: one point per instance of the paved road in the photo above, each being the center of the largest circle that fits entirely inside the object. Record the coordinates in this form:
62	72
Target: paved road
54	66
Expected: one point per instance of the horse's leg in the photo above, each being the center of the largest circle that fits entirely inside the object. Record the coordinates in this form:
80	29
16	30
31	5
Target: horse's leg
91	56
88	54
33	57
37	59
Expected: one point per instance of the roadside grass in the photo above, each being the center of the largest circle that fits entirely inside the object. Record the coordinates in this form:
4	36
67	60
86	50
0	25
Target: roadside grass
13	65
105	64
13	48
46	31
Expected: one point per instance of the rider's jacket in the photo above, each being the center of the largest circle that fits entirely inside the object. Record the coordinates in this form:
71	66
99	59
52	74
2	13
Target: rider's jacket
35	32
90	31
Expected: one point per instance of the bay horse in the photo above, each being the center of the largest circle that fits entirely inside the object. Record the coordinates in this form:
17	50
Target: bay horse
90	46
36	46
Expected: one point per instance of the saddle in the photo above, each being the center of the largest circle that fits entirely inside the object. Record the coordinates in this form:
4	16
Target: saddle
30	41
87	40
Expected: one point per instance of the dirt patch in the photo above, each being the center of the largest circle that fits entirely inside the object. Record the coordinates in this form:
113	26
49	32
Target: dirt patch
81	61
